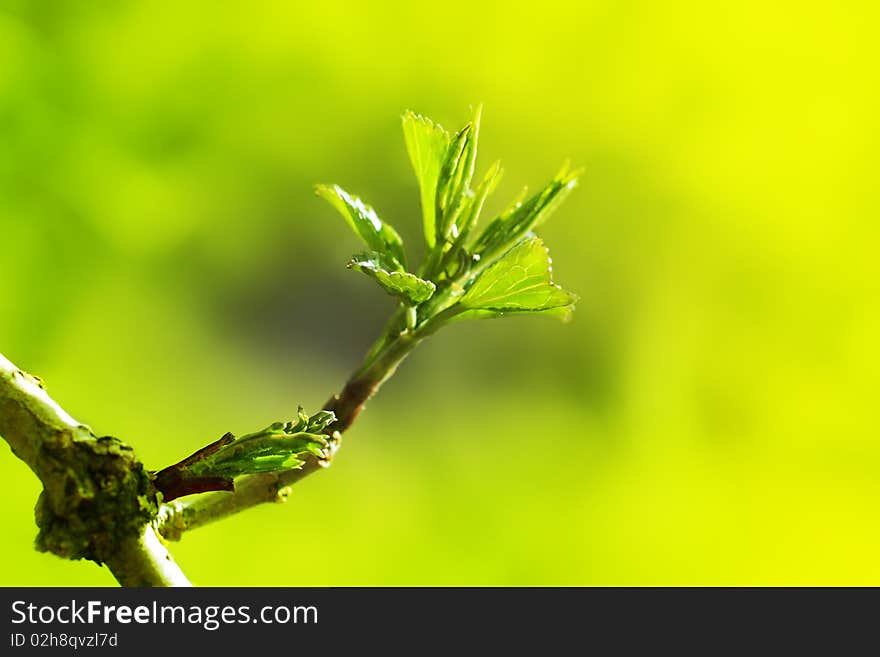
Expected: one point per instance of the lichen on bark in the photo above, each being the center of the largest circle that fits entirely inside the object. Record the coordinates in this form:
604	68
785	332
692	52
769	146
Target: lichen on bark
97	495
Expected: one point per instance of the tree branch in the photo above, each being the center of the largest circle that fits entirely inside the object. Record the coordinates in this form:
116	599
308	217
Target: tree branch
97	501
143	560
380	363
100	503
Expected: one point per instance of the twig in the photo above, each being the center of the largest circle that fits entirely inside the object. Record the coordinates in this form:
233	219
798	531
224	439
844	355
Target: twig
100	503
382	361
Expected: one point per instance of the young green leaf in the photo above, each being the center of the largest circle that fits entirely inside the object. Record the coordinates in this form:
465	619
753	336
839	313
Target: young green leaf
471	212
407	287
468	161
520	281
320	421
277	447
455	153
563	313
280	446
453	188
376	234
523	217
426	143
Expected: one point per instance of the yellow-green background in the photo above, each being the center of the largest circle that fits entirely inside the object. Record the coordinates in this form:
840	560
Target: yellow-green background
710	417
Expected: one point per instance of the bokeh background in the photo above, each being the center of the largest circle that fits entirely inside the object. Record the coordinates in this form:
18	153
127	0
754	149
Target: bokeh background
710	416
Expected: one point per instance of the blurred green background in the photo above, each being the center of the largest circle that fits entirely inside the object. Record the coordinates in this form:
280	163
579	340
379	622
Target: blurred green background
708	418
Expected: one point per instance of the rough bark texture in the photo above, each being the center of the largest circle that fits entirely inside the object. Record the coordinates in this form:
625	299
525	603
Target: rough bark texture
97	501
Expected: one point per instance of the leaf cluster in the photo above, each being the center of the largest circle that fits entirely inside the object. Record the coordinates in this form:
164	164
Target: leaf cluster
280	446
503	268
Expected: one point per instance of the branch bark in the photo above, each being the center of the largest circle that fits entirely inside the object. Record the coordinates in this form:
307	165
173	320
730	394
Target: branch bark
97	501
